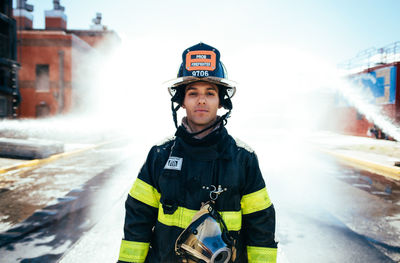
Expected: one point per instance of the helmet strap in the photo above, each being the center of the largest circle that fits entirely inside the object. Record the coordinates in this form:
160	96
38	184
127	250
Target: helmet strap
174	114
223	121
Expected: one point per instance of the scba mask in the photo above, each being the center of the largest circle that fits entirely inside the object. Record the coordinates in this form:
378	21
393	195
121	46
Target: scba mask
206	239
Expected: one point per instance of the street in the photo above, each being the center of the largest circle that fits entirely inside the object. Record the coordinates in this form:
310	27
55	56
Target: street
326	212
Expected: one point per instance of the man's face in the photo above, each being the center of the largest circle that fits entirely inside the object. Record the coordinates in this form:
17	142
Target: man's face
201	103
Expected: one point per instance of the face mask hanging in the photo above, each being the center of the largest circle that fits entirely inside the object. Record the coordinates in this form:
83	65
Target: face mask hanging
206	239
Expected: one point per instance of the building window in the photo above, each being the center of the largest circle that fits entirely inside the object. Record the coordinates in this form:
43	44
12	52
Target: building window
42	109
360	116
3	106
42	78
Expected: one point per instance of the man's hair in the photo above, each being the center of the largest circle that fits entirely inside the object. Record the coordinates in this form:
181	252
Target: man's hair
222	95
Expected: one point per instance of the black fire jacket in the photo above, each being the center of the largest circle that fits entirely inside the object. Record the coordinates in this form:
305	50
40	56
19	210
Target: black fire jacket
169	191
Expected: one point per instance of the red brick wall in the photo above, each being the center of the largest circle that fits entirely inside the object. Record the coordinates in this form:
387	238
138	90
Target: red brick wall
23	22
92	40
344	119
43	48
56	23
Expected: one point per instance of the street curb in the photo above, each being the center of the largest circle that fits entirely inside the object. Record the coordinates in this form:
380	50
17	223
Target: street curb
37	162
392	172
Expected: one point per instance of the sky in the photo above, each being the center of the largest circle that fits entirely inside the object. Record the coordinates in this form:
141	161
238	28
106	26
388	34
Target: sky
335	30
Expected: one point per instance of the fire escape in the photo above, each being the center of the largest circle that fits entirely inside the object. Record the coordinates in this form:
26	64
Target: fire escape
9	91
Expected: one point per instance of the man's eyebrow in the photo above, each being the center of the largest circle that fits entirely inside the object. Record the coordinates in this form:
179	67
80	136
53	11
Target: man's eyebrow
191	88
195	88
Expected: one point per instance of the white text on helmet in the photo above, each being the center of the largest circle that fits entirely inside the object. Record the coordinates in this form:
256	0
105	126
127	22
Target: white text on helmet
200	73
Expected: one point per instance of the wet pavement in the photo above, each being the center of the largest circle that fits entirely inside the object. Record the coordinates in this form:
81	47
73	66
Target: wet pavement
45	209
374	184
326	211
35	187
51	232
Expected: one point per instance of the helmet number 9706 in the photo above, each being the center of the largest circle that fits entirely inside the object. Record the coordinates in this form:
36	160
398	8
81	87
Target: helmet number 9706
200	73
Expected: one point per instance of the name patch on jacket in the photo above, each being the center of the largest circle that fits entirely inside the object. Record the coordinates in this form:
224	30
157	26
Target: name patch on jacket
174	163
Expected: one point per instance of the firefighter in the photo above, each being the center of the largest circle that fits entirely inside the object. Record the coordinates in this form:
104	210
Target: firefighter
200	196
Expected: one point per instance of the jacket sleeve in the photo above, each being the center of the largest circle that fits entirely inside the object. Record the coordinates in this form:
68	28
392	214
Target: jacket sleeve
258	215
141	214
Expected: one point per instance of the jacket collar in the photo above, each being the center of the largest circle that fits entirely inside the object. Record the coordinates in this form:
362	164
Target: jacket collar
185	124
210	139
212	146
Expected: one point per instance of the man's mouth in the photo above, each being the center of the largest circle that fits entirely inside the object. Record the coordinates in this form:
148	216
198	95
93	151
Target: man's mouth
201	110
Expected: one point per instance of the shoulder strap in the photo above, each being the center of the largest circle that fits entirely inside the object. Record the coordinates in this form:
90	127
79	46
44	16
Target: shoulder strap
172	173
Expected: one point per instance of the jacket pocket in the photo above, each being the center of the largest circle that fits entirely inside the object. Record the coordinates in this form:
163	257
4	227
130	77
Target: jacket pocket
170	186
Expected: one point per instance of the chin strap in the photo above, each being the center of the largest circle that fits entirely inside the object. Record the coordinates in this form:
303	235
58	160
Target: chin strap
174	115
223	120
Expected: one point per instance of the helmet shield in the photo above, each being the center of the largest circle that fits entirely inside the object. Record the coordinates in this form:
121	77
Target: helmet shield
174	84
203	240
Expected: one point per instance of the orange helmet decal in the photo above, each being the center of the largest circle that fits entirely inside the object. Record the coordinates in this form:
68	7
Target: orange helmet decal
201	60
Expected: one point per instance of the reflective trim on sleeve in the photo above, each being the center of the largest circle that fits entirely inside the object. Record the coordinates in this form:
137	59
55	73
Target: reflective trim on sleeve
232	219
132	251
145	193
261	254
255	202
183	216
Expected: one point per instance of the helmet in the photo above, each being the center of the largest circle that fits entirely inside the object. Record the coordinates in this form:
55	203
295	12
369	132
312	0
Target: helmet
206	239
201	62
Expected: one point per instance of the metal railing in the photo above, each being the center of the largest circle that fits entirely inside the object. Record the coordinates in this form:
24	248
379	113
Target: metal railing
372	57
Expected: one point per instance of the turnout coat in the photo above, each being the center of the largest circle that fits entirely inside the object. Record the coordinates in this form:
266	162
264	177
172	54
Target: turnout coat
169	190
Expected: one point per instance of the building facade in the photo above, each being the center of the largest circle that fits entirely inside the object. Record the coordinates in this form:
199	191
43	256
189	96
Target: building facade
379	84
48	59
9	91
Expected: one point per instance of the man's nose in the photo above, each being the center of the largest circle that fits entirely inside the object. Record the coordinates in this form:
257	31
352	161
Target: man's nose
202	99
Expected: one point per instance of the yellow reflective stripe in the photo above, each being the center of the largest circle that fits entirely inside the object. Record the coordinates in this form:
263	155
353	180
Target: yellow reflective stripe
256	201
183	216
145	193
132	251
261	254
232	219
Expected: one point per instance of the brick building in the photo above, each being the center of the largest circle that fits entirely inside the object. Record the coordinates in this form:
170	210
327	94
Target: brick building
49	59
9	92
376	76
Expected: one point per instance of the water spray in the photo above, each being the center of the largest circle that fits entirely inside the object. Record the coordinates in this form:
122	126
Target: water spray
362	99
